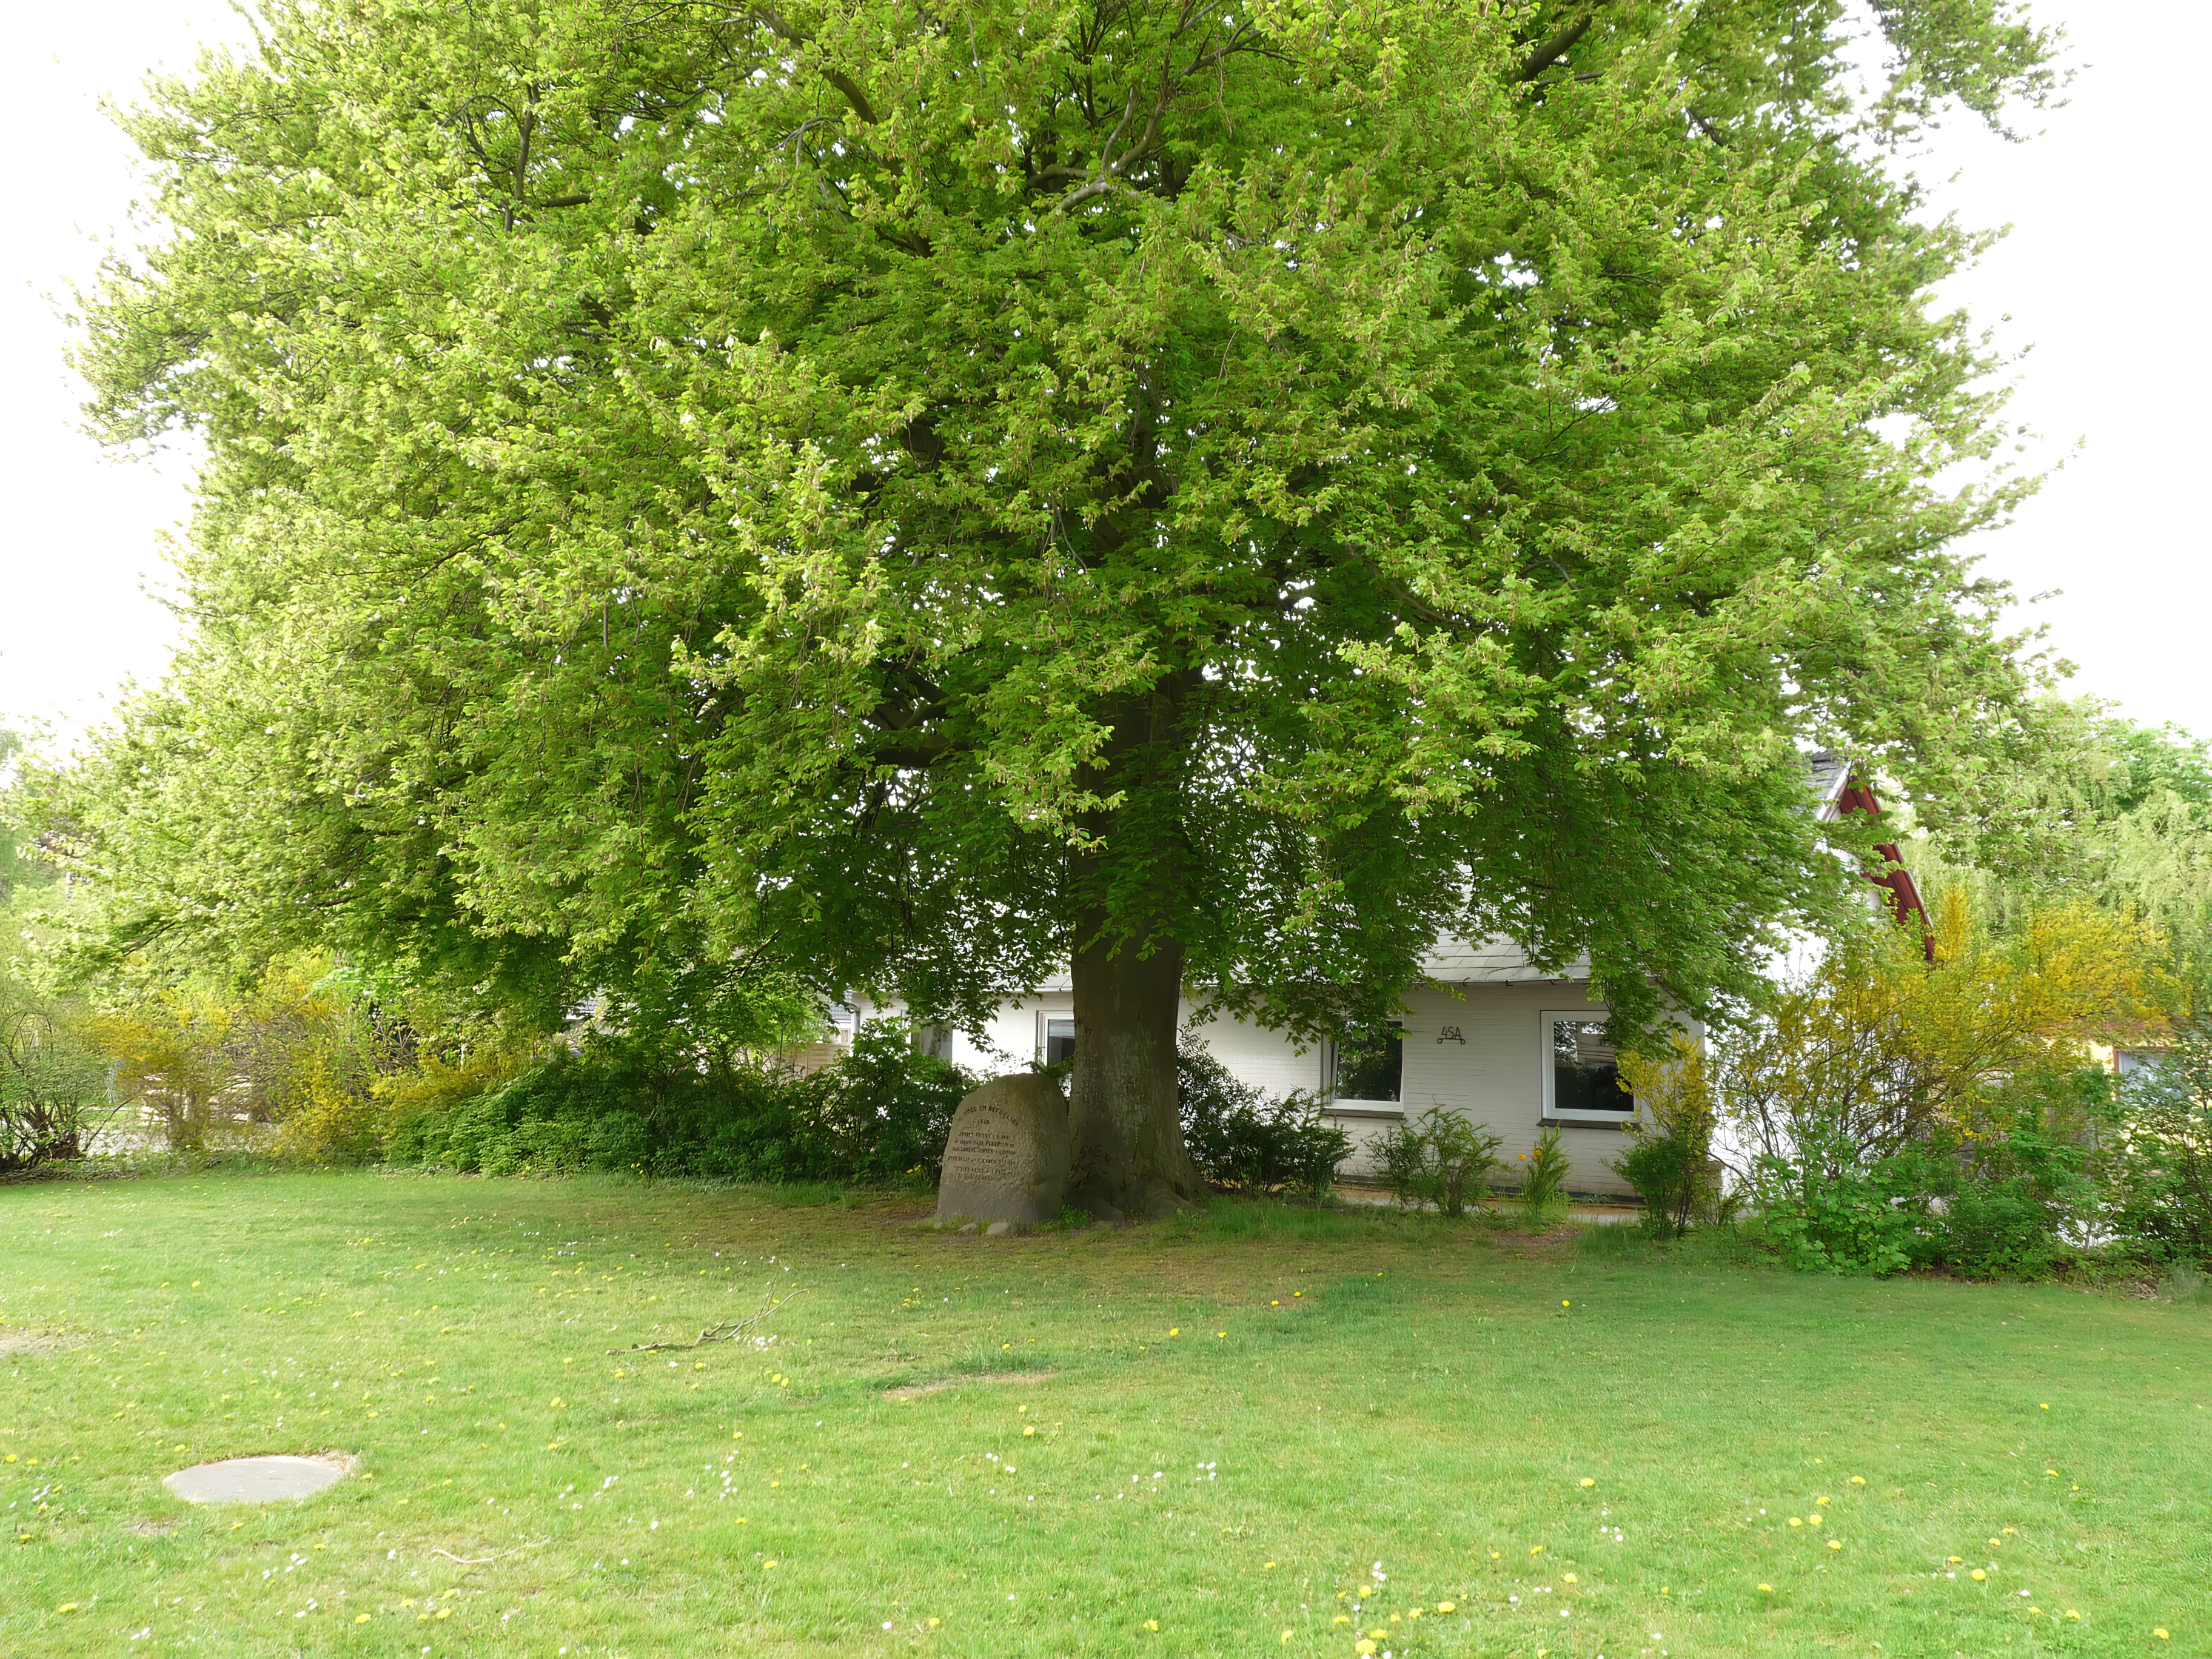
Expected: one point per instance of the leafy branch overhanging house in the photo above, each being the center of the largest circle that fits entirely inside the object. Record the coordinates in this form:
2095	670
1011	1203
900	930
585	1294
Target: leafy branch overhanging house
1485	1034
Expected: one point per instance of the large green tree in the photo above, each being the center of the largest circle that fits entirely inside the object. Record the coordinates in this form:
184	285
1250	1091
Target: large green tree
1216	490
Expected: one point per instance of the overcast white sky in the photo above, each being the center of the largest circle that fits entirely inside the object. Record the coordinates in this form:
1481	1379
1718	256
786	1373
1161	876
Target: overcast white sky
2102	275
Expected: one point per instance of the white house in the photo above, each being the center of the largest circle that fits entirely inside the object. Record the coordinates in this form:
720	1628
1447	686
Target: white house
1485	1035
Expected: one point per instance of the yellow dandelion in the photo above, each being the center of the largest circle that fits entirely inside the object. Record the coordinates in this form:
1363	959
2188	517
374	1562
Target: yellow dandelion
361	1618
1363	1646
1287	1637
2073	1613
2045	1408
1270	1567
1587	1481
1821	1500
1977	1575
2160	1634
1446	1607
1176	1331
767	1566
1796	1521
66	1606
445	1613
1858	1480
1341	1618
1570	1579
1835	1544
1766	1589
1151	1624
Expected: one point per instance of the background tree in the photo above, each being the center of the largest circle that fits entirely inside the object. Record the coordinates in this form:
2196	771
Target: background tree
53	1089
1215	491
2079	805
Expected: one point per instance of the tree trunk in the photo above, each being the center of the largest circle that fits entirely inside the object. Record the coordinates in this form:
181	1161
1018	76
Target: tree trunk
1125	1118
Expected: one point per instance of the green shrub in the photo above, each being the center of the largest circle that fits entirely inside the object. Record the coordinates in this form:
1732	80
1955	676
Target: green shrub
1828	1209
2004	1203
1438	1159
2000	1230
1243	1141
2154	1157
879	1115
1668	1175
1670	1161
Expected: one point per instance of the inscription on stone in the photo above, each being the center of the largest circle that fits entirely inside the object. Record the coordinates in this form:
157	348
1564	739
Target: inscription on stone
1006	1157
989	1151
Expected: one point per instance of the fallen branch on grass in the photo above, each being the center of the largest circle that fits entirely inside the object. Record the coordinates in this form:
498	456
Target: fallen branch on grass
728	1331
480	1560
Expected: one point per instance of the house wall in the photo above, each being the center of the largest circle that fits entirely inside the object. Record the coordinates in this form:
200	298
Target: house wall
1494	1075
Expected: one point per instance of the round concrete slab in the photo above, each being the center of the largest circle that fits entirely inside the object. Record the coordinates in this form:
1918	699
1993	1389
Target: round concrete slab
255	1479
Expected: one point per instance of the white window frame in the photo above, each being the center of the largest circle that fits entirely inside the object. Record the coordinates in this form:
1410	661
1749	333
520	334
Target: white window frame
1045	1017
1352	1106
1551	1112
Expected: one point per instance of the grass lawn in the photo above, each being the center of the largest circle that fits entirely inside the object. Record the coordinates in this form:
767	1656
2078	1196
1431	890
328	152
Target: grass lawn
1260	1431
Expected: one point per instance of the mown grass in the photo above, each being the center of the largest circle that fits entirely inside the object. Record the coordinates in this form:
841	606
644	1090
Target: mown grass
1250	1418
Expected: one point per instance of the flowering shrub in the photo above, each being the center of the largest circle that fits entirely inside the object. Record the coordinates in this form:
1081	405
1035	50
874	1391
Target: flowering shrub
1544	1179
1905	1110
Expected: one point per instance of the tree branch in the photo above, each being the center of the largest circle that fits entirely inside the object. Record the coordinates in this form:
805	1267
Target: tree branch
1557	47
775	24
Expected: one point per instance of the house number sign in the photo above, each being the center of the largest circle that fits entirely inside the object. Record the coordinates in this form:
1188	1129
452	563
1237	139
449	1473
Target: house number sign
1450	1034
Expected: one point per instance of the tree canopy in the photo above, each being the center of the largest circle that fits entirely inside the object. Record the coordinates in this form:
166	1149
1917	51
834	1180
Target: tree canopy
914	495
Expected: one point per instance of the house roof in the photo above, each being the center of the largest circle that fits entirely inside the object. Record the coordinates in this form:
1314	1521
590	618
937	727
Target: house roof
1450	961
1828	775
1494	961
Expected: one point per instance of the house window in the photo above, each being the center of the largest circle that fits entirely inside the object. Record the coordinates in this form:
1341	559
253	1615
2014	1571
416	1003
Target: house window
1582	1072
1059	1041
1370	1068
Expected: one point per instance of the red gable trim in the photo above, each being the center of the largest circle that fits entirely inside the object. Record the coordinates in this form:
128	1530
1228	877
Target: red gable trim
1904	899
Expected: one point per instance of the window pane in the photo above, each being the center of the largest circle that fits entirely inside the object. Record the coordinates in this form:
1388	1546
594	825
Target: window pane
1585	1070
1370	1068
1059	1041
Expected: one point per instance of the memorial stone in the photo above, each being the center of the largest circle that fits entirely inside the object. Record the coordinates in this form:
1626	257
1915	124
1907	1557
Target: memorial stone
1007	1157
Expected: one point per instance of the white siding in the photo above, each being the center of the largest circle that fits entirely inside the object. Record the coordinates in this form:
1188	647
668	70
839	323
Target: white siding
1497	1076
1494	1076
